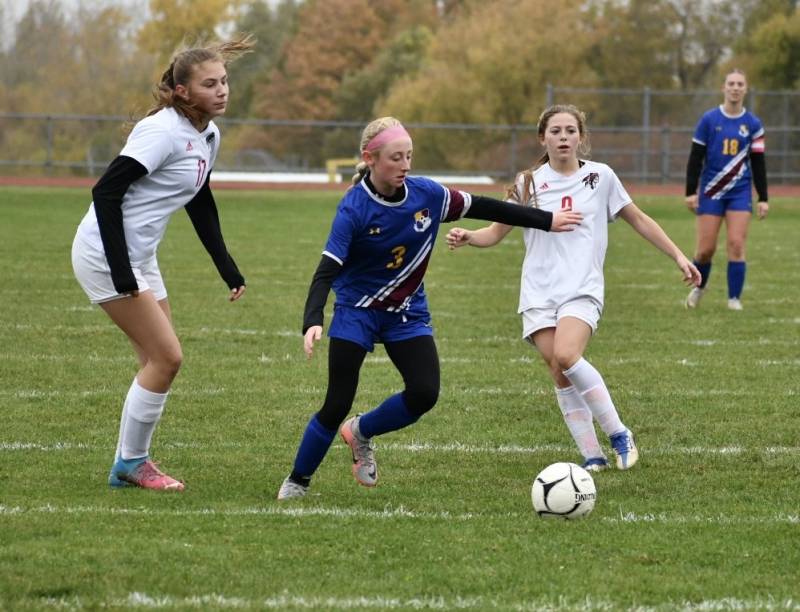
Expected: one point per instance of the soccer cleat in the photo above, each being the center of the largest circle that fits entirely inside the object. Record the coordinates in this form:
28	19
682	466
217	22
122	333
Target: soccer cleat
625	449
365	470
595	464
735	304
142	473
291	490
693	299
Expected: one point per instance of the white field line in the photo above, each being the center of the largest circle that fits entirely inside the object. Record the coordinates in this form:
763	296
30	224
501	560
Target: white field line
426	447
55	393
286	600
381	359
388	513
515	391
293	333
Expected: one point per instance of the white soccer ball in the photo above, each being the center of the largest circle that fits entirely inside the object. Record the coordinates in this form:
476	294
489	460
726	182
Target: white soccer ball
563	490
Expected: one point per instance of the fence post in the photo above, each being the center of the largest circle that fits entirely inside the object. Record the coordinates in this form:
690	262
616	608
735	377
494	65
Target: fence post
512	171
785	139
666	149
645	133
48	160
549	95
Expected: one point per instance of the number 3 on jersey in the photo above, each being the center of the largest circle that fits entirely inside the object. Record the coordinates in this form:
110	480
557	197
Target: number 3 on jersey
566	203
398	253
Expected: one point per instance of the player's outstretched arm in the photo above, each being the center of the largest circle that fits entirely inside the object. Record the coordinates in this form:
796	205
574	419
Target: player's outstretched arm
490	209
484	237
651	231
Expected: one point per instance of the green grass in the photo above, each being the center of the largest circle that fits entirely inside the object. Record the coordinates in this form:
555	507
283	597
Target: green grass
707	521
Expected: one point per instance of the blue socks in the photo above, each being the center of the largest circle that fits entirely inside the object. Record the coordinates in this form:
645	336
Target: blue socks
705	271
736	271
313	448
391	415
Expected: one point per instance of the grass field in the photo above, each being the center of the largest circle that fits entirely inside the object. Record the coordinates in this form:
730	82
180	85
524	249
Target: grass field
707	521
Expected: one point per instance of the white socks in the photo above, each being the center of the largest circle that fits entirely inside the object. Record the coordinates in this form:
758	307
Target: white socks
140	415
578	418
590	385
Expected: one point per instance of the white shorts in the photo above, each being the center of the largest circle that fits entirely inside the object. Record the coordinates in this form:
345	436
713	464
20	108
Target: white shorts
586	309
94	275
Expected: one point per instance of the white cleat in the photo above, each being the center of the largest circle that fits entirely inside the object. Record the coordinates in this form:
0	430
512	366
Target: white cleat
693	299
290	490
735	304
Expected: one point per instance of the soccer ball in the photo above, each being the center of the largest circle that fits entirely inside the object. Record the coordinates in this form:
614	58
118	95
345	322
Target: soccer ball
563	490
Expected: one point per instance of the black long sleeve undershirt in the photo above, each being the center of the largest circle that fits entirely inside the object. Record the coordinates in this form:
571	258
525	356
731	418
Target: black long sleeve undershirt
318	292
489	209
107	196
202	210
694	167
758	165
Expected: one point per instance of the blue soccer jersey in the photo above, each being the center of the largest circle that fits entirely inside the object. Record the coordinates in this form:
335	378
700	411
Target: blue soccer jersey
384	247
728	141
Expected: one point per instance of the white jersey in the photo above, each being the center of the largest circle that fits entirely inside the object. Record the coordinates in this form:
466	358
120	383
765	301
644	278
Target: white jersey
561	266
178	159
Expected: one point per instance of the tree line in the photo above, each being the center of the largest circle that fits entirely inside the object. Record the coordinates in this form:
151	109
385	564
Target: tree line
432	61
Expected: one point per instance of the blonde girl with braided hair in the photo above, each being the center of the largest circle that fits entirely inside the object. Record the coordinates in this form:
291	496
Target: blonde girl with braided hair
164	166
377	252
562	286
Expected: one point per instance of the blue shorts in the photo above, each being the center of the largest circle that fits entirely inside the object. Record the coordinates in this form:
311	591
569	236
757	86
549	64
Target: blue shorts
740	200
366	326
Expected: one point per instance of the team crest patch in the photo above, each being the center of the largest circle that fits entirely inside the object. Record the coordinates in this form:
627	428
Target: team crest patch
422	220
189	146
743	131
591	180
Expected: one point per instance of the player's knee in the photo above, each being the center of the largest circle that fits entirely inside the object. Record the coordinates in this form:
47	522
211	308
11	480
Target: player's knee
704	254
736	249
421	397
565	358
170	361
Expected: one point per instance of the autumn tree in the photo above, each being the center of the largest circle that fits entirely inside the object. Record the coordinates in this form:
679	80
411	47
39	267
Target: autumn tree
484	67
770	54
174	23
84	65
335	39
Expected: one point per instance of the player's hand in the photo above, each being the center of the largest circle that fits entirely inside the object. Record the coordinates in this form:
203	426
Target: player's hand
691	275
236	293
565	221
762	208
313	334
691	202
458	237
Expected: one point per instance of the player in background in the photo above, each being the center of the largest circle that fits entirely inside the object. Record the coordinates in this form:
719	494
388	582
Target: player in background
728	146
376	255
164	166
562	286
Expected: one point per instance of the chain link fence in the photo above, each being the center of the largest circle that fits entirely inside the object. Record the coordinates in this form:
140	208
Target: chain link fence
644	134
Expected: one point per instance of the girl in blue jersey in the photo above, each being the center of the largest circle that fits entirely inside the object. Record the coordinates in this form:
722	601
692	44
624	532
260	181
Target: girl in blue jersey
728	146
375	258
164	166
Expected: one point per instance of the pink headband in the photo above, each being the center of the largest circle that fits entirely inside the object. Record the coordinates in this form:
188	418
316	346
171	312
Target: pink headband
393	133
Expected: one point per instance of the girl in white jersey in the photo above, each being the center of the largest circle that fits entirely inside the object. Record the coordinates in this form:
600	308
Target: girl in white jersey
164	166
561	293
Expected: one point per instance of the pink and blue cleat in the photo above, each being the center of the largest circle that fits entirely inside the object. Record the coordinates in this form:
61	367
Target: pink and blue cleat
142	472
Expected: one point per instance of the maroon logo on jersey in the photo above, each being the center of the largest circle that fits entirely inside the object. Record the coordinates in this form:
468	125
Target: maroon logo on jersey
189	146
591	179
